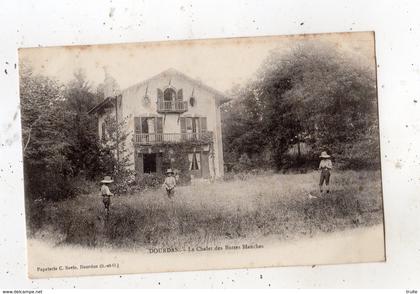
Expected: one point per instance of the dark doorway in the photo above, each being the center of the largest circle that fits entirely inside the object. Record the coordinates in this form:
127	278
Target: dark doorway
149	163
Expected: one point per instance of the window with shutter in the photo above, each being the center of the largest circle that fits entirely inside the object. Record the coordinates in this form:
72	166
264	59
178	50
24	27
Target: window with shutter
180	96
144	125
159	125
195	125
203	124
198	160
151	125
183	125
137	124
190	160
159	94
189	124
159	129
195	161
169	95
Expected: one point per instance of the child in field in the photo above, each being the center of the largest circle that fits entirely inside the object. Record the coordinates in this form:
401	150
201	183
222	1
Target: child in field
170	183
106	193
325	166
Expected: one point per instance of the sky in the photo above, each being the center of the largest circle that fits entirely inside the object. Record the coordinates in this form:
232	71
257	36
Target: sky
219	63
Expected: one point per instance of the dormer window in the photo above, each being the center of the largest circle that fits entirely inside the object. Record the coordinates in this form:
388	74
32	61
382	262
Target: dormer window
171	101
169	94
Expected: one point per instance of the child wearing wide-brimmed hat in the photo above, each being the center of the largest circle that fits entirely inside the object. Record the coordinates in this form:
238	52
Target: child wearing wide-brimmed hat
325	165
170	183
106	193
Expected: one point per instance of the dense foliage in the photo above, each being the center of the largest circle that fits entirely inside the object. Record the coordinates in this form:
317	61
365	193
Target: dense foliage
309	95
60	141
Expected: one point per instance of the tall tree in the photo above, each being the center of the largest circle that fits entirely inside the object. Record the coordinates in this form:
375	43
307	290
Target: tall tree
242	124
82	128
45	148
311	93
116	144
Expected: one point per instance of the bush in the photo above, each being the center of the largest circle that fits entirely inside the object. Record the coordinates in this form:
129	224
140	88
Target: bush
83	186
365	153
228	176
299	164
149	181
244	164
124	181
47	182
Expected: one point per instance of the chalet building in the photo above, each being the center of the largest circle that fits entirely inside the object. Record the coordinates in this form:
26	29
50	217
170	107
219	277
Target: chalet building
173	121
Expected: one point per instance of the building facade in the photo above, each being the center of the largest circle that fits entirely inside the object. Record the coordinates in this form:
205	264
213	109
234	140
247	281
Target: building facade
173	121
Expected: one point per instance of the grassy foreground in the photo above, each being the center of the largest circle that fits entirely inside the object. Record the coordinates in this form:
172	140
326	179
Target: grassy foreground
207	214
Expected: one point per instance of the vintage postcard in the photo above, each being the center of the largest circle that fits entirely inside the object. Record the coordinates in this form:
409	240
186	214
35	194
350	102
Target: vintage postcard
201	154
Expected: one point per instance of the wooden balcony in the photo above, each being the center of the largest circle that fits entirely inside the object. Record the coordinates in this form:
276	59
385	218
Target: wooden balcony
159	138
172	106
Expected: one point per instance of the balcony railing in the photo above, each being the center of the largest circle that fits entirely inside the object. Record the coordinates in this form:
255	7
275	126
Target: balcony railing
172	106
156	138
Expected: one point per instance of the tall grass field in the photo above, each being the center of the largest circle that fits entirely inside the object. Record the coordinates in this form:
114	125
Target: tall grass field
250	207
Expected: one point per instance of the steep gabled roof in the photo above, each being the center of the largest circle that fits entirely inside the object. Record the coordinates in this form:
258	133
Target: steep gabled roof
101	105
220	97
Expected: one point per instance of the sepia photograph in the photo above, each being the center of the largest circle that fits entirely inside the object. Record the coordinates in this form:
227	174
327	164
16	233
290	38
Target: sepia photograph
201	154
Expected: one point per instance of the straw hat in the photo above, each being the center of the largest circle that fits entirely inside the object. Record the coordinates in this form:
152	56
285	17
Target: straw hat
324	154
107	180
169	171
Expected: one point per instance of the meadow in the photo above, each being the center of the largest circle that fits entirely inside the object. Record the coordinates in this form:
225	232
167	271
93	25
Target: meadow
248	207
